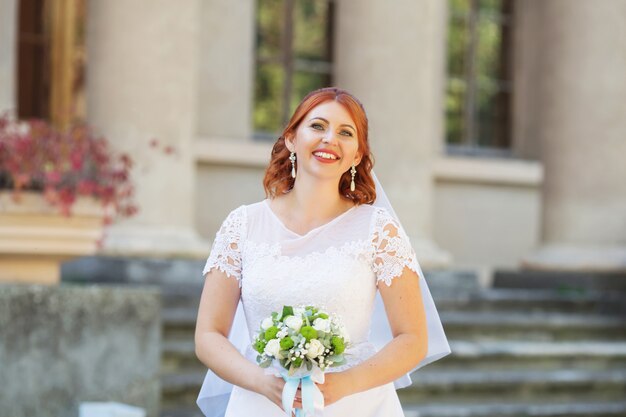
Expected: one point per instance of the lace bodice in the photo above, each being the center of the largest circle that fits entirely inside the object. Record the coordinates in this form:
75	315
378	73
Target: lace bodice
336	266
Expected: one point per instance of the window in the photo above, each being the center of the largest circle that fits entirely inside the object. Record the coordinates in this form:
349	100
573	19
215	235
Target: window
33	61
51	60
293	57
478	96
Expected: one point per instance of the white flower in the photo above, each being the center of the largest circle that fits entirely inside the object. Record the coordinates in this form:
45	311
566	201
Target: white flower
281	334
293	322
267	323
322	325
298	311
315	349
273	349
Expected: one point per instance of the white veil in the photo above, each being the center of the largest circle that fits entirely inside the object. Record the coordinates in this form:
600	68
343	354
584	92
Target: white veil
215	392
380	335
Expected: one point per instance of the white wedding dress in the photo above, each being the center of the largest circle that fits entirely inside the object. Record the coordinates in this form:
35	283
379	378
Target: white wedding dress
336	266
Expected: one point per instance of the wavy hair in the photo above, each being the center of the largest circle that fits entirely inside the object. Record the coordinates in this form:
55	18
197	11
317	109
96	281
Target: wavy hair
278	179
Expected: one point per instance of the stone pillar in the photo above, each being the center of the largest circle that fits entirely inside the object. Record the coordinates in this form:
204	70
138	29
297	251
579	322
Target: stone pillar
8	54
226	69
141	84
580	111
391	56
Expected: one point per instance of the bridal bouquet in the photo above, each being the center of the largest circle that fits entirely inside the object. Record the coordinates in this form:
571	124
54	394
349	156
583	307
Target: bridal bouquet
305	341
301	337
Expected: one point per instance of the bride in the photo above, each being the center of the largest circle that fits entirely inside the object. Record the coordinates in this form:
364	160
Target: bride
325	236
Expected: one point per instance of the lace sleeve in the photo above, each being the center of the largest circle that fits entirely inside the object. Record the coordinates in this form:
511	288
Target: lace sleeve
226	251
392	248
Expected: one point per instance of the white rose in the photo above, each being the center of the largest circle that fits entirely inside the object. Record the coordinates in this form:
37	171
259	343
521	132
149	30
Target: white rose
315	349
273	349
293	322
322	325
267	323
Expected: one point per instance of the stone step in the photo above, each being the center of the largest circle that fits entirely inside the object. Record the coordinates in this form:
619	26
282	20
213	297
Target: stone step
576	301
534	300
179	355
179	316
523	354
183	295
582	281
181	411
460	389
468	355
457	382
499	409
532	325
578	409
181	387
514	385
180	322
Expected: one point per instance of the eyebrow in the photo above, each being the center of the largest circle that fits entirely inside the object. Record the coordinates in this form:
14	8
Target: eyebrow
321	118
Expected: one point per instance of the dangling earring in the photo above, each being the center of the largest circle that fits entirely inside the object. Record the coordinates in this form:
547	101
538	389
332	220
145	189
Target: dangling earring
353	173
292	158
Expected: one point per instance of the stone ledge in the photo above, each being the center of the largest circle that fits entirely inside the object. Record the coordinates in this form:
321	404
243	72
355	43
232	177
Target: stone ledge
494	171
617	408
63	345
229	152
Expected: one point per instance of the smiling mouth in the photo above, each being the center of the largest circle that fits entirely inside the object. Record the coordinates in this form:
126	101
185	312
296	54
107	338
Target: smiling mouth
326	155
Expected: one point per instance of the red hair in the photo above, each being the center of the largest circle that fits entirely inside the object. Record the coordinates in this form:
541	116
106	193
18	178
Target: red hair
278	179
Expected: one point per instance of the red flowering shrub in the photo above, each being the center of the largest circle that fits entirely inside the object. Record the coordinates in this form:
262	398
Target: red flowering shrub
64	165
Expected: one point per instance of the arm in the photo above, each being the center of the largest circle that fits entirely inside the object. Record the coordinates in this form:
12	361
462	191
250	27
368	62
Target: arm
394	264
218	305
405	311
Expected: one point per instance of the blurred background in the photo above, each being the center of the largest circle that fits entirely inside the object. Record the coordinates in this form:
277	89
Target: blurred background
498	129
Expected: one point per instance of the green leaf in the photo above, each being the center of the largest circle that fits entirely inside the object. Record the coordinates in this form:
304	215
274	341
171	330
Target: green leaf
341	362
287	311
336	358
266	363
309	365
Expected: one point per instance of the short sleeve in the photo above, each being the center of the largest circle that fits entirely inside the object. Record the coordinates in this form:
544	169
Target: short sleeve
227	247
392	248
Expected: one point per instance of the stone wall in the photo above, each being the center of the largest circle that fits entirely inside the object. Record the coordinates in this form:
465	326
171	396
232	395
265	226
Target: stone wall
63	345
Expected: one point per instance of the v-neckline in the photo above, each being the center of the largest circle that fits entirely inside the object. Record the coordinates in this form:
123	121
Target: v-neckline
282	224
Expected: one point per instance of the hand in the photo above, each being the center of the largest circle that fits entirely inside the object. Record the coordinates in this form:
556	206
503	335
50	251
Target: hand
336	386
272	388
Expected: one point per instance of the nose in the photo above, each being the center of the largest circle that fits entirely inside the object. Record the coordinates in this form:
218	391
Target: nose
329	137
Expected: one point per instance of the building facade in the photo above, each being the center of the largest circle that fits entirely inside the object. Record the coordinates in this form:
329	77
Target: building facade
553	195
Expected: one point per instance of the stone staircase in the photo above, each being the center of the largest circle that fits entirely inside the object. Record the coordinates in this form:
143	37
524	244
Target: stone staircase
516	352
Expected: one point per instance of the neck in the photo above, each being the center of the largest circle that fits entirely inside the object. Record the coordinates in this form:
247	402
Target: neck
317	199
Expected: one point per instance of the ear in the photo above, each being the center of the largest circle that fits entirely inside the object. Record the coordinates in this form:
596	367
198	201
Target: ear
357	159
289	142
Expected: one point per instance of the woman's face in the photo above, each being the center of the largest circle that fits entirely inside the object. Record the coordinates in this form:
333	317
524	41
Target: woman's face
326	142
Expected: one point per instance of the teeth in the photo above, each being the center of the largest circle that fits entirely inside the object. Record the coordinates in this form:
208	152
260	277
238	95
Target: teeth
325	155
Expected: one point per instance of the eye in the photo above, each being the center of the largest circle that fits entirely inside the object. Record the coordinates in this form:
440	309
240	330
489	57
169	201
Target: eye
317	126
346	133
